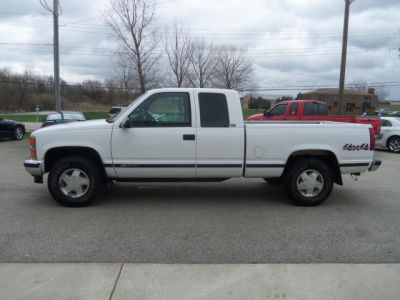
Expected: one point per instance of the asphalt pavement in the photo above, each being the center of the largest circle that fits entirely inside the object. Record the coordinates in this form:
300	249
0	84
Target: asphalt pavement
237	221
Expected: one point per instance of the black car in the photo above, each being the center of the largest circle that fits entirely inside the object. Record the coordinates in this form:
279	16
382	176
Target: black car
11	129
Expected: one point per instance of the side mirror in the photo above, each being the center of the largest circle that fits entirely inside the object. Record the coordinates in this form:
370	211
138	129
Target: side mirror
126	123
267	114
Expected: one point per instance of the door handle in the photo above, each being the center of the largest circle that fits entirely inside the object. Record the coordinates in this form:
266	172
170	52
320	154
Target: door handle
189	137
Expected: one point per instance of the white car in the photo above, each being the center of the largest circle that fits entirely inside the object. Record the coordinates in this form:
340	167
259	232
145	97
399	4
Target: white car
197	135
390	134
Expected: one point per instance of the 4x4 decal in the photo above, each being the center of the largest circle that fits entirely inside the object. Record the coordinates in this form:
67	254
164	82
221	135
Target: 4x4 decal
351	147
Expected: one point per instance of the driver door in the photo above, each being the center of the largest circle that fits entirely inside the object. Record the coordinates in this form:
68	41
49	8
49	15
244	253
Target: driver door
161	140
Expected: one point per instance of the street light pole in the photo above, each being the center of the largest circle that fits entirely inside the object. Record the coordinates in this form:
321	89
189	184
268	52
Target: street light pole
344	54
56	56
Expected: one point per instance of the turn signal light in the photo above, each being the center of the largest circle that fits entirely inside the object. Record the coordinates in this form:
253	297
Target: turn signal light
32	142
32	147
33	154
371	139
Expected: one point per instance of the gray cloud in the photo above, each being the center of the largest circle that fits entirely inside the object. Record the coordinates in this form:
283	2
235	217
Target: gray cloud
292	42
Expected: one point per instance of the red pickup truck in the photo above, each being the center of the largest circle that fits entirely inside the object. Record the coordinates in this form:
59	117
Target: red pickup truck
310	110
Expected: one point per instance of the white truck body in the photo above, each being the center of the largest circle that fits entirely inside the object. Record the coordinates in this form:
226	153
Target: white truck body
195	150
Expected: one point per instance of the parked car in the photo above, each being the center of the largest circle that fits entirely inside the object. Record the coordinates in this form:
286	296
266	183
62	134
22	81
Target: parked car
383	111
390	134
115	110
11	129
394	114
201	136
310	110
63	117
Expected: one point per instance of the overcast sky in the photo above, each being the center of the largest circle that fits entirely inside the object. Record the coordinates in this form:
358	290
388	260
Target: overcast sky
292	43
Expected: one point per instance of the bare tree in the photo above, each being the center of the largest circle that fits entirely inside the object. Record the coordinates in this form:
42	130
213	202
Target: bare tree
125	73
234	70
202	64
179	52
360	86
131	22
381	92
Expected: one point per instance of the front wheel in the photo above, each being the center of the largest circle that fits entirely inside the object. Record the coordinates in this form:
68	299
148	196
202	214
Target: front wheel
74	181
308	182
18	133
394	144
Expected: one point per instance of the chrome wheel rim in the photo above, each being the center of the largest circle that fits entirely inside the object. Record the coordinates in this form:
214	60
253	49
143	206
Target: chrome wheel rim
310	183
74	183
19	133
394	145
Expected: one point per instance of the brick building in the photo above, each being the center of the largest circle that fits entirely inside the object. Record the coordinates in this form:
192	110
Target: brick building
354	101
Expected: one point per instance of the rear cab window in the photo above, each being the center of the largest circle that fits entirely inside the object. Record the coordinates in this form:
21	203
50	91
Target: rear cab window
213	110
313	108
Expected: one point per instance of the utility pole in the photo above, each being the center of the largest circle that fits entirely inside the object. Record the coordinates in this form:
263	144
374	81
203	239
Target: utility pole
56	57
55	11
344	54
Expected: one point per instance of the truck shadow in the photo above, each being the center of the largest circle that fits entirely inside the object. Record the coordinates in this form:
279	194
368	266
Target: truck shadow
226	192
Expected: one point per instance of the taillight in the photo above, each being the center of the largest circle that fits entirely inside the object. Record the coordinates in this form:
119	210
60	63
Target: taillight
32	147
371	139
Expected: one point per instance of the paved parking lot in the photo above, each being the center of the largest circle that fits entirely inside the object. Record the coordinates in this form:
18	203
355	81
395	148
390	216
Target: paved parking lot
237	221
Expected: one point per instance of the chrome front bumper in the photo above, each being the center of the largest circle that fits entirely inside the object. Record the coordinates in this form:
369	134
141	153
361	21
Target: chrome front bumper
376	163
33	167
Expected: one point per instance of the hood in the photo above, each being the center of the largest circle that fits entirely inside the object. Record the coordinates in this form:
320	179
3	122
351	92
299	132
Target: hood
256	117
83	125
13	122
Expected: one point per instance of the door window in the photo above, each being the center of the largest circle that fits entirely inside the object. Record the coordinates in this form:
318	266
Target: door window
163	110
279	110
213	110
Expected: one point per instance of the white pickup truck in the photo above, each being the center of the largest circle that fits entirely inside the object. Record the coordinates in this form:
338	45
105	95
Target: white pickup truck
197	135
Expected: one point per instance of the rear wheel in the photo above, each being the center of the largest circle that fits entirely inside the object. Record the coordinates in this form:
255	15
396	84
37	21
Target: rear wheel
308	182
74	181
393	144
18	133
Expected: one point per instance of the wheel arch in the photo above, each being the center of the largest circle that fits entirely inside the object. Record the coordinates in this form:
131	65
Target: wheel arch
55	154
391	137
326	156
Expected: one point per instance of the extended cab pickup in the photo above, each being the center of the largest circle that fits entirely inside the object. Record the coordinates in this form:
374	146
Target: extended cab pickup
310	110
197	135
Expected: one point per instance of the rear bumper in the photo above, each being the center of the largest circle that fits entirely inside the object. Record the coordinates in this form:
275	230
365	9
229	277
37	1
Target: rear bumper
33	167
376	163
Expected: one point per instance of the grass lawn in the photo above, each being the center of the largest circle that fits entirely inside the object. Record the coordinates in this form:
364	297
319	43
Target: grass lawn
32	118
21	118
101	115
391	107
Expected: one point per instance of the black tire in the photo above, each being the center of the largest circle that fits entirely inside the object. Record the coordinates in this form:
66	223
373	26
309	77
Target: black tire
274	180
393	144
314	170
90	172
18	133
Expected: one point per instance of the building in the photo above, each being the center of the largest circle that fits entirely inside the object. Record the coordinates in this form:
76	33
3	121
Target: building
354	101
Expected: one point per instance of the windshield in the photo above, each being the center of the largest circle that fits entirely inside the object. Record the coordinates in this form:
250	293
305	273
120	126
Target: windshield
67	116
124	109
